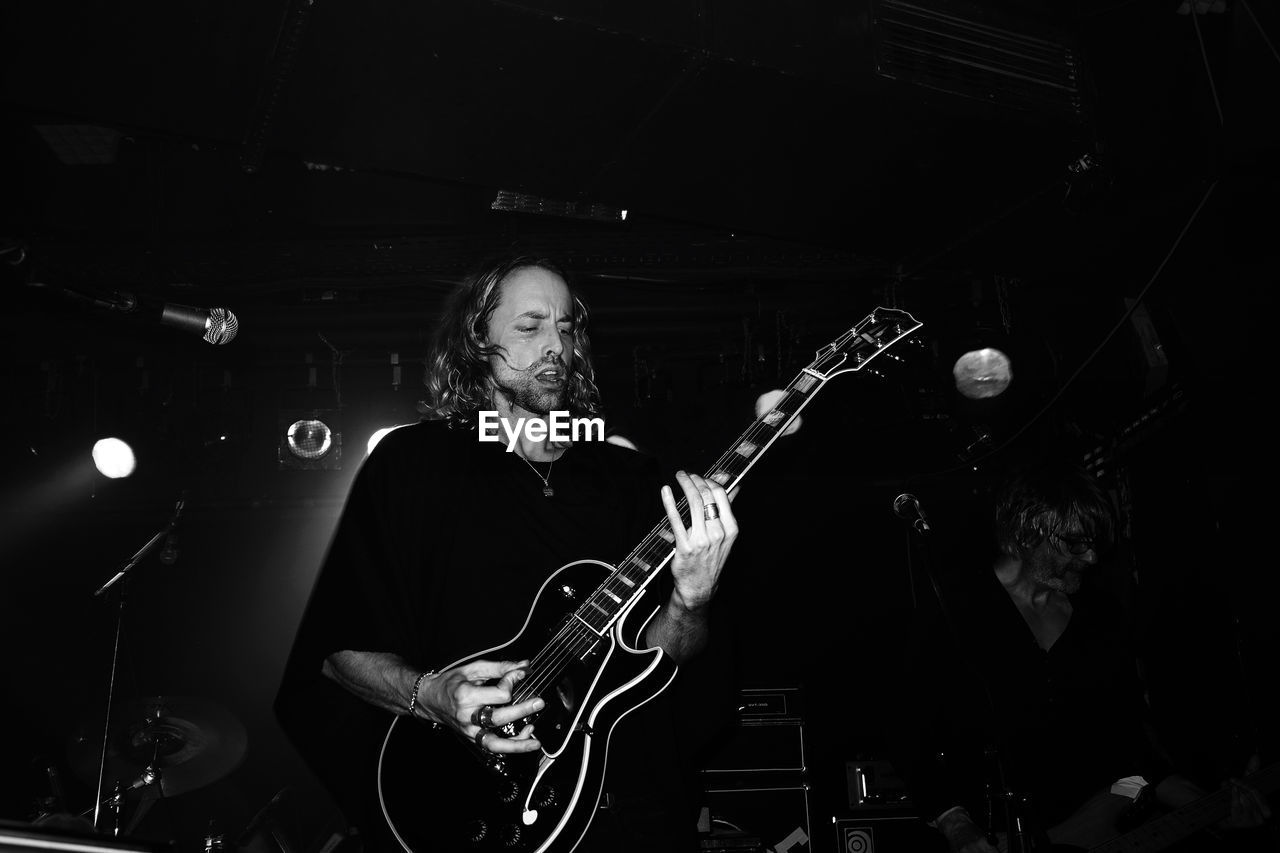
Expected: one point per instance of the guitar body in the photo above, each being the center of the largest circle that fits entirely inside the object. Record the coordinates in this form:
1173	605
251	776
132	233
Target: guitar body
440	792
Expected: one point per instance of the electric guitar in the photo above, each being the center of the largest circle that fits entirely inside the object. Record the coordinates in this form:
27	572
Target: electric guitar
1093	826
580	637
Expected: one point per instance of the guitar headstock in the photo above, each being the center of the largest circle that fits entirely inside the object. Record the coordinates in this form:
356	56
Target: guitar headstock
858	347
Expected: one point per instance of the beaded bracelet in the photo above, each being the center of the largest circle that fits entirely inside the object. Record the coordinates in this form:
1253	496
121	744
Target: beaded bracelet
413	697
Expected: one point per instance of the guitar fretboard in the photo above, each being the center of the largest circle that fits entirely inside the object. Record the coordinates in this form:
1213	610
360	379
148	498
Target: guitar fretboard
640	566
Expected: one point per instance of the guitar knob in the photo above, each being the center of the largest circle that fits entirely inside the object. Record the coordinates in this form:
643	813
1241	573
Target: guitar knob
477	831
508	792
511	835
548	797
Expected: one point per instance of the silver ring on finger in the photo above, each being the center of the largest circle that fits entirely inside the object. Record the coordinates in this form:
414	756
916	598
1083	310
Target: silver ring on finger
711	511
483	717
479	737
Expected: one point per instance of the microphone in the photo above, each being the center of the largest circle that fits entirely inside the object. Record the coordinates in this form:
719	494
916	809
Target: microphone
216	325
907	506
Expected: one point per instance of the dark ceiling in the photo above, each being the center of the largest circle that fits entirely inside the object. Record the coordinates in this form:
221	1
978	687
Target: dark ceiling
329	168
826	124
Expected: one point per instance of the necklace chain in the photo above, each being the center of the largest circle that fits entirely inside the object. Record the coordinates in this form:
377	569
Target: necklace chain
547	491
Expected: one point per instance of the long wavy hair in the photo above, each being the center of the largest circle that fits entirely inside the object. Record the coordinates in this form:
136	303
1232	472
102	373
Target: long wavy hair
458	376
1052	499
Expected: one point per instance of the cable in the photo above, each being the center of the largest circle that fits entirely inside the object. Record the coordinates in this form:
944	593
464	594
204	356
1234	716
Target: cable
1208	69
1089	359
1261	31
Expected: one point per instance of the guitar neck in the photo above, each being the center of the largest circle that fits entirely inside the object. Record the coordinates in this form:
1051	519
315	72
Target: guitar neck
635	571
1184	822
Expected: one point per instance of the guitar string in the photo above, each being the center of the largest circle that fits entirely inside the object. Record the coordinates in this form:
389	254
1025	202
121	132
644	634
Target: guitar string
582	643
560	654
562	650
550	670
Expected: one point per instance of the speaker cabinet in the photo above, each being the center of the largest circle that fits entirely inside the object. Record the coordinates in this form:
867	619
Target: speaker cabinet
760	746
754	788
776	819
897	834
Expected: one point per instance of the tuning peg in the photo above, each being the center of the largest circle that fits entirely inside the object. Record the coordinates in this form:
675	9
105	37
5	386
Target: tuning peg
875	373
895	358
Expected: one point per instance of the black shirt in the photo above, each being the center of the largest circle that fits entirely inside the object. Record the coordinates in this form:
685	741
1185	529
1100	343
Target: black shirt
1066	722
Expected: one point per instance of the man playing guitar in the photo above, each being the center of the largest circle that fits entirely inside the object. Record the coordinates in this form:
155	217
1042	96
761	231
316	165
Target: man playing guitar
445	539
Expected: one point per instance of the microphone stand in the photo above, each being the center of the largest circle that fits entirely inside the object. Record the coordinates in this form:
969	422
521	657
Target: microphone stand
121	577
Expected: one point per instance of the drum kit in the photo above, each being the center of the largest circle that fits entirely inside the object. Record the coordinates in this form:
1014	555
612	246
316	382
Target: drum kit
163	746
159	747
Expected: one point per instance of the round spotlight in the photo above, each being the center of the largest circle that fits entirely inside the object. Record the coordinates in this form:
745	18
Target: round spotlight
309	438
114	458
982	374
378	436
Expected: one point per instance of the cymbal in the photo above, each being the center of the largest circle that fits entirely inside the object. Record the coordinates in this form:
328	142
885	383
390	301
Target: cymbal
165	745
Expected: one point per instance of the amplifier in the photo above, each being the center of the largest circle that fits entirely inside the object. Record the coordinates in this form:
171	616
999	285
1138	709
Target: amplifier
769	736
874	784
761	745
889	834
754	793
778	818
770	703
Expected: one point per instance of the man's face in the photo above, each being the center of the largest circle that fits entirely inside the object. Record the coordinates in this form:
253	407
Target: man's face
1053	564
533	325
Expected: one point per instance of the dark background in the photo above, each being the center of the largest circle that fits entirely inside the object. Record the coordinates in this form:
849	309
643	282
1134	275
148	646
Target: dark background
328	172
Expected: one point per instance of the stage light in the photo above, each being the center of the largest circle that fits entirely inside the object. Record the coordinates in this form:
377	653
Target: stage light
113	458
310	439
982	374
518	202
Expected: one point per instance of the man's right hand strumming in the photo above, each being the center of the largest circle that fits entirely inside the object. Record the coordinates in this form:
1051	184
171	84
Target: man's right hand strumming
458	698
